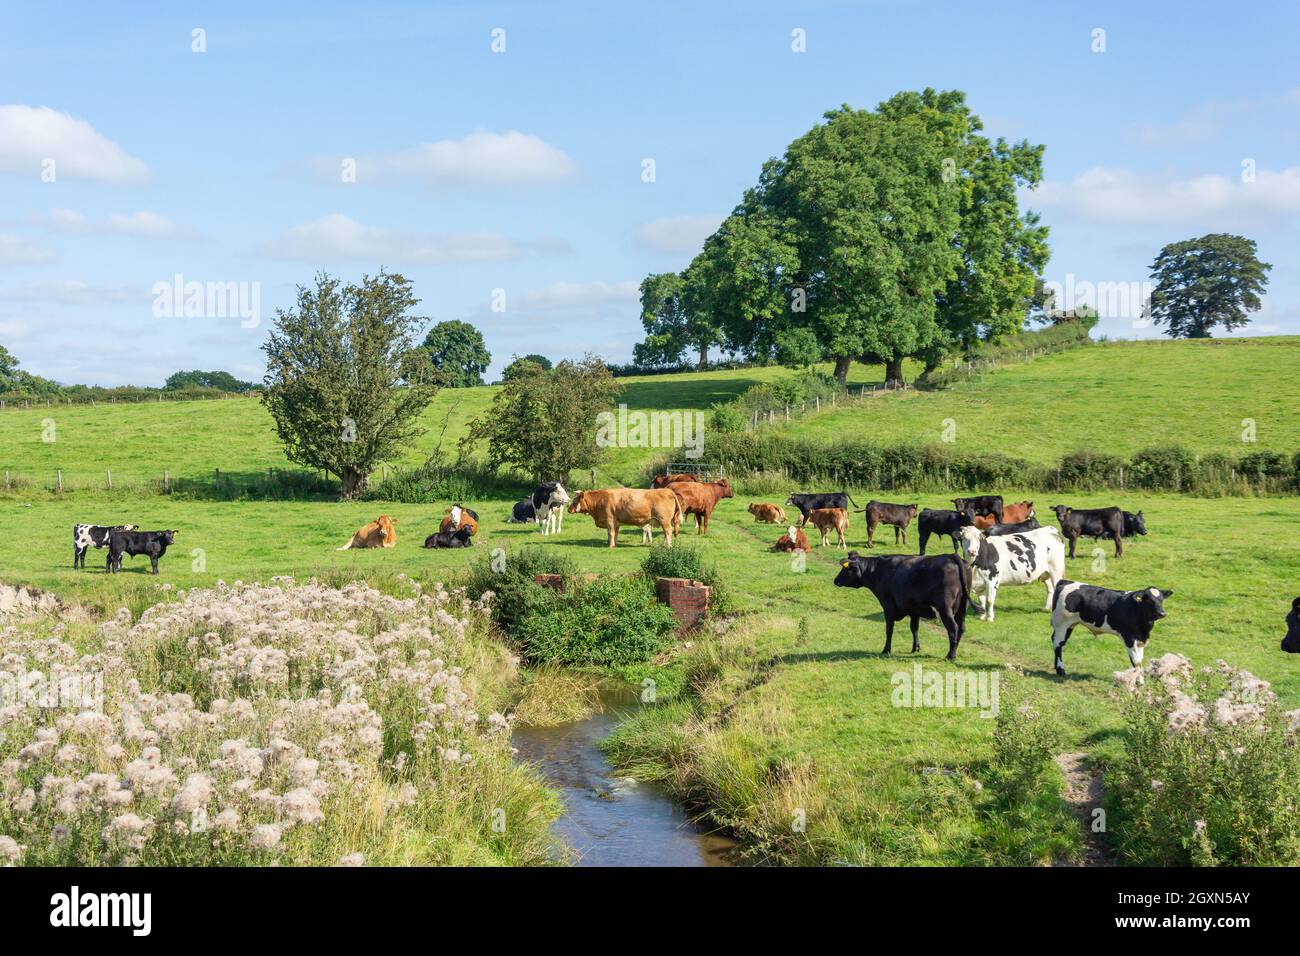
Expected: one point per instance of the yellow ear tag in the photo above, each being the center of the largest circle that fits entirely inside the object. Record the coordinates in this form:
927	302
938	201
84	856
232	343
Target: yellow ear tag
844	564
1138	596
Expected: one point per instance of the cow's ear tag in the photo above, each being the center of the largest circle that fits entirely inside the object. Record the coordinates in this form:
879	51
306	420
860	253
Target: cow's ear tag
1139	596
844	564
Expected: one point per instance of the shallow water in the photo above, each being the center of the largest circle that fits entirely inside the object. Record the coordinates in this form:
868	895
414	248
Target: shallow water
612	820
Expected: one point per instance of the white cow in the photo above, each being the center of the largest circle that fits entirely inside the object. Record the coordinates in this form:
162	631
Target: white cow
1022	558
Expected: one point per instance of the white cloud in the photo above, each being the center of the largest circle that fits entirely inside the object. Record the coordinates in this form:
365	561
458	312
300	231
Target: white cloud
578	294
337	237
16	250
479	159
1206	122
144	224
30	135
678	233
1105	194
74	292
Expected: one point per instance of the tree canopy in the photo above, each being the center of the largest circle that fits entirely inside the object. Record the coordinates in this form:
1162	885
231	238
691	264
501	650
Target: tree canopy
196	379
525	364
1205	282
456	349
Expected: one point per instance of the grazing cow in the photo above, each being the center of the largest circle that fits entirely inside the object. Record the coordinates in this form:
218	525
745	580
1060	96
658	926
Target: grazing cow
1128	614
1093	523
548	501
829	499
462	537
880	512
1019	528
1291	643
663	481
152	543
827	520
1012	559
699	498
86	536
939	521
612	507
793	540
980	505
380	533
1134	524
768	514
523	513
459	517
913	586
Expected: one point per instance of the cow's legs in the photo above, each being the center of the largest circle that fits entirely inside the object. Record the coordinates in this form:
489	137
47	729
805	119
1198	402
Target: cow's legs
840	532
613	533
954	631
78	554
889	634
916	641
925	536
1051	589
871	534
991	598
153	563
1073	539
1119	546
1058	645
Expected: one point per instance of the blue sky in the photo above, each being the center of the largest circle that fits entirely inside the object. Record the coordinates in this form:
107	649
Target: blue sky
522	170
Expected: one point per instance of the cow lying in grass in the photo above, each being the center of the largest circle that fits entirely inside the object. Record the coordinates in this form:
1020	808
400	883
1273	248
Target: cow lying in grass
152	543
1291	643
380	533
462	537
793	540
611	507
882	512
1128	614
459	517
827	520
913	586
767	514
87	536
1012	559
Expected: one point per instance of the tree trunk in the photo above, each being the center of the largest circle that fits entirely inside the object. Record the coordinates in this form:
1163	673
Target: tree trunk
355	482
704	358
842	363
894	371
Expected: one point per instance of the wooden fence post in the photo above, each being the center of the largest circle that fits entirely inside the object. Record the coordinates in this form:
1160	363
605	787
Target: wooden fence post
167	482
58	480
110	479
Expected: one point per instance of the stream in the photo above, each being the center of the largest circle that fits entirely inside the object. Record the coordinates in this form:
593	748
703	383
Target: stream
611	820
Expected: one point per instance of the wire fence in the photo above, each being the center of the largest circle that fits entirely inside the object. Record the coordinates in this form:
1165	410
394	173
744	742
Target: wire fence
62	401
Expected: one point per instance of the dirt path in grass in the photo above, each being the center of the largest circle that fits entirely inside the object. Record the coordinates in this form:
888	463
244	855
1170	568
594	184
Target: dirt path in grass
1083	794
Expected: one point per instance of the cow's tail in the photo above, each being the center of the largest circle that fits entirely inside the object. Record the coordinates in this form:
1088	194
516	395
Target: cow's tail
346	546
852	502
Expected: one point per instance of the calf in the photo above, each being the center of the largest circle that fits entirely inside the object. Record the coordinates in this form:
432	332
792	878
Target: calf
462	537
699	498
980	505
1134	524
1093	523
1020	528
881	512
523	513
86	536
768	514
793	540
1128	614
1291	643
915	587
458	517
827	520
828	499
1012	559
549	499
152	543
938	521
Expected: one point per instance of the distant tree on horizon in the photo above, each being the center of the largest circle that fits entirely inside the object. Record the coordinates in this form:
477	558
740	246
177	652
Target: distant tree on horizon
456	349
197	379
1205	282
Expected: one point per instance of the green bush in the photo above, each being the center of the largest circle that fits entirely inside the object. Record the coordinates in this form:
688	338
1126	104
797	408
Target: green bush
428	484
515	592
1265	466
685	560
1088	469
725	418
610	622
1170	468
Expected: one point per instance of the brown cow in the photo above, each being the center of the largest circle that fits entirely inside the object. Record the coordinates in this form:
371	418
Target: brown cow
457	518
612	507
768	514
793	540
827	520
378	534
882	512
699	498
663	481
1011	514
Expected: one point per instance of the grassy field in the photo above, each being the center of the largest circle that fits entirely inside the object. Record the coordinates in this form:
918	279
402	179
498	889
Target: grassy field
799	716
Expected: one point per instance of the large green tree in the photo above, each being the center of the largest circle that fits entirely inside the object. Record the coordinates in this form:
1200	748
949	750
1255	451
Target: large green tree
1201	283
675	321
458	352
345	381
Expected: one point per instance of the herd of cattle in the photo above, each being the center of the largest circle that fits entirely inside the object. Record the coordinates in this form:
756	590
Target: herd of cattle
994	544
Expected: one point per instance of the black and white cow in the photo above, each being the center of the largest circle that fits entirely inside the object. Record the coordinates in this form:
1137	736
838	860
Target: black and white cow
1134	524
1128	614
152	543
1291	643
549	499
938	521
913	586
978	505
86	536
1091	523
1012	559
826	499
1017	528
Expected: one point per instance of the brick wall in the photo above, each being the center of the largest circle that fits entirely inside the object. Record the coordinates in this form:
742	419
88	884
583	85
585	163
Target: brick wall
689	600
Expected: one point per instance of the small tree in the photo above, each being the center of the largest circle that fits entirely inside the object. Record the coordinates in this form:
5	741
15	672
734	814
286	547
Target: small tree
458	352
524	365
544	423
344	382
1201	283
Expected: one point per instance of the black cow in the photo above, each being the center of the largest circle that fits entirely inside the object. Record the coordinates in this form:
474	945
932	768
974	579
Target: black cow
1134	524
1128	614
523	512
1013	528
882	512
87	536
938	521
152	543
460	538
826	499
1291	643
1092	523
978	505
913	586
